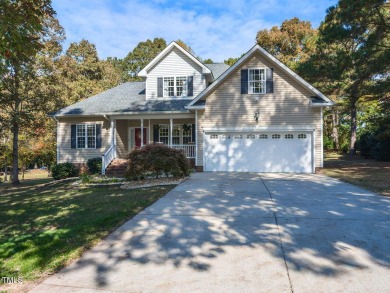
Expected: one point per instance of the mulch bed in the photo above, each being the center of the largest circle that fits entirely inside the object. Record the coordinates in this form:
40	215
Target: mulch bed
152	182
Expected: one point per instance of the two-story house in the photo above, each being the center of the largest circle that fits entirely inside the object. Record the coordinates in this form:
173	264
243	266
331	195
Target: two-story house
255	116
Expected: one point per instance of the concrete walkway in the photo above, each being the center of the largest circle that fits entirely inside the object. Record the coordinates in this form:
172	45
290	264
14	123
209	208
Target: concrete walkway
221	232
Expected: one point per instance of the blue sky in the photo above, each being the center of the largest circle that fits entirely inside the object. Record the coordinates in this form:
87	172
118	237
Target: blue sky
215	29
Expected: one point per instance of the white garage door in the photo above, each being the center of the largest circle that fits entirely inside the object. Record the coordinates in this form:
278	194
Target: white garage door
259	152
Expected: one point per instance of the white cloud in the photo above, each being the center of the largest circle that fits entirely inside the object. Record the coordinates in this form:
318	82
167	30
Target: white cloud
215	29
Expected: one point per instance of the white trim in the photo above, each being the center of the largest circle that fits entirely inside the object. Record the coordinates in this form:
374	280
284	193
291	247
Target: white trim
322	139
203	152
265	80
142	132
149	138
171	98
175	96
312	105
157	117
196	137
127	113
114	132
85	136
170	131
57	140
111	132
313	151
144	71
196	107
272	58
262	129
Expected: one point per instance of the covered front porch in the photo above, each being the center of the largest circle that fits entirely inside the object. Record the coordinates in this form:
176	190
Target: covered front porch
128	133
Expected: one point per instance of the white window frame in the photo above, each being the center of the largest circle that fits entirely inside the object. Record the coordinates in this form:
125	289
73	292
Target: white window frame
85	126
159	133
175	86
180	135
250	88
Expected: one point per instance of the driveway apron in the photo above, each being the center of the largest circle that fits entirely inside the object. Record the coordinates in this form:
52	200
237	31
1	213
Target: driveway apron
244	232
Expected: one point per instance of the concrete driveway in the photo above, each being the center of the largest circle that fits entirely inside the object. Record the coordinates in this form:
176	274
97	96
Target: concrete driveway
240	232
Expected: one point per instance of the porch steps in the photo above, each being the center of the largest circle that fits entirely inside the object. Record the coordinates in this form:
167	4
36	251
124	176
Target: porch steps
117	168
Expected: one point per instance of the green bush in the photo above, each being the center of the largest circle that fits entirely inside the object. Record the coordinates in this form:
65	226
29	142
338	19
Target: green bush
376	145
157	160
365	145
64	170
328	143
85	178
94	165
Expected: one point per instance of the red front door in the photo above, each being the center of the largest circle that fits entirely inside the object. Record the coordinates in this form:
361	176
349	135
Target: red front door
137	133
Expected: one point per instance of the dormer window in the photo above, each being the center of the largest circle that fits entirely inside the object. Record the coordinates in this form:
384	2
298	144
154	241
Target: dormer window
175	86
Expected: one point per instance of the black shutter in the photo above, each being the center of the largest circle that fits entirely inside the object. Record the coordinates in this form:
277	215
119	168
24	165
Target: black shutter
73	136
269	80
193	132
244	81
156	133
190	81
160	87
98	136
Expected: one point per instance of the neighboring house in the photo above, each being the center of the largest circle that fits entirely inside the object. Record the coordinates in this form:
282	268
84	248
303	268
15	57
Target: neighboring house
255	116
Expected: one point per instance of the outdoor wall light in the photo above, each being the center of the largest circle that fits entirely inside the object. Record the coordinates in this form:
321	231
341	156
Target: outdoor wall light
257	115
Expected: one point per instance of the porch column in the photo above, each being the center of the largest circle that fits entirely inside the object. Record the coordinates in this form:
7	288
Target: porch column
114	137
142	133
196	137
112	132
170	131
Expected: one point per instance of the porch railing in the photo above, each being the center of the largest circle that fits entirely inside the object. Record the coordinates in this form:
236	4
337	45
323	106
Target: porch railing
188	149
107	158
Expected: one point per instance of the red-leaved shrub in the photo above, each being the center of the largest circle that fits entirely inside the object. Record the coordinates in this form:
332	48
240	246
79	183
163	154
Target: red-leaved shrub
156	160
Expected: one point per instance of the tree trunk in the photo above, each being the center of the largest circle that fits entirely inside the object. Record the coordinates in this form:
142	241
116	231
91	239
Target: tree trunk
352	150
15	154
335	130
5	169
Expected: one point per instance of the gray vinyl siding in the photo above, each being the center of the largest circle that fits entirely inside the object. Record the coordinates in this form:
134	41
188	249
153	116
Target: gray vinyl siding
287	106
175	63
67	154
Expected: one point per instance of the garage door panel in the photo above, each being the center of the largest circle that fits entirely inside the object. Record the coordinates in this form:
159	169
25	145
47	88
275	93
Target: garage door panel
228	152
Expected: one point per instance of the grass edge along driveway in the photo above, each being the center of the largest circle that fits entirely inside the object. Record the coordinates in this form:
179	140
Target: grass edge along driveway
44	228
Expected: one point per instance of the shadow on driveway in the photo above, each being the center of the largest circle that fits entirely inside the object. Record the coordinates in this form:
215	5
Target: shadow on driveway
245	232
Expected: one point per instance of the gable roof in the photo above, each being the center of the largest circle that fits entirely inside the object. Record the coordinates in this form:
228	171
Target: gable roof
163	53
257	48
217	69
123	99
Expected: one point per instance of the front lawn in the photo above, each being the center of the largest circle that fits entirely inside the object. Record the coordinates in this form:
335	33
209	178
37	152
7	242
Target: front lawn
44	227
369	174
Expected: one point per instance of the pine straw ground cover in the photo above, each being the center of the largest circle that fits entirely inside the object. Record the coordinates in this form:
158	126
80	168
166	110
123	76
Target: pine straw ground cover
44	227
370	174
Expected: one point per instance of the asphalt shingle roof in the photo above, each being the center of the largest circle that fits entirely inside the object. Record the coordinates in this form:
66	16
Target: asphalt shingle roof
129	98
217	69
125	98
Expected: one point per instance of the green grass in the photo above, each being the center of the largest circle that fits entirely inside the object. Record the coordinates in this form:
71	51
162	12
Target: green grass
43	228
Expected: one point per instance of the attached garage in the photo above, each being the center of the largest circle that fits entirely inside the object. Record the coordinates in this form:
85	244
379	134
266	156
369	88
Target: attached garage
286	151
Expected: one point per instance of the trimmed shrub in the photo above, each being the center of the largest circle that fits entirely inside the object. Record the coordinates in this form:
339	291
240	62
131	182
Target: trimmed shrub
64	170
94	165
156	160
